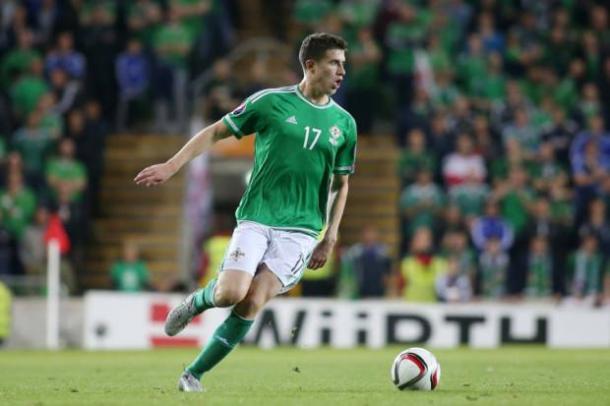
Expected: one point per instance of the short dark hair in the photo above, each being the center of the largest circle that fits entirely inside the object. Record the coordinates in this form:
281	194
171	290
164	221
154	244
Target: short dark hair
315	45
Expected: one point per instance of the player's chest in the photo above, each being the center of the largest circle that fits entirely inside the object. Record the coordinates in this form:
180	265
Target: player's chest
313	131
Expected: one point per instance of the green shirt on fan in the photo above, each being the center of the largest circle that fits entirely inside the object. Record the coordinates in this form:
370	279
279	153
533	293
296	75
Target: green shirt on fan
299	146
129	276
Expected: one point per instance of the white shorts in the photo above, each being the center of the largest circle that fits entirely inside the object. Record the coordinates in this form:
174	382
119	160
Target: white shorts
286	253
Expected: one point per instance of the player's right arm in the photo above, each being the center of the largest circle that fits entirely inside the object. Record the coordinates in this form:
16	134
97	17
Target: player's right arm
200	143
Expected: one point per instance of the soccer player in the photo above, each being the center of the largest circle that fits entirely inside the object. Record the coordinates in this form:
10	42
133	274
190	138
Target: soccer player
304	153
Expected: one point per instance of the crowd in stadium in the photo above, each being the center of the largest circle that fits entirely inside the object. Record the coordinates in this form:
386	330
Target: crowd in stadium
500	108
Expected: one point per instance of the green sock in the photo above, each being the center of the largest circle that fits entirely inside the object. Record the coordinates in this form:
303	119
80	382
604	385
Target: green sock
224	339
204	299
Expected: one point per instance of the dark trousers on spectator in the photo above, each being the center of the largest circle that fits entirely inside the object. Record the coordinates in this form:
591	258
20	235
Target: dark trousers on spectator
170	100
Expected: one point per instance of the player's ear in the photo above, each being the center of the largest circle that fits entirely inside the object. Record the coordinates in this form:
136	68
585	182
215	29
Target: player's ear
310	64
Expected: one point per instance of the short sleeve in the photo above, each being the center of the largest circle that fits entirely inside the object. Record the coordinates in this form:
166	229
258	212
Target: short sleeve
249	116
345	163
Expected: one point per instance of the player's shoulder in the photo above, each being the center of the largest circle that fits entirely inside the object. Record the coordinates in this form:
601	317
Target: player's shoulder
271	93
345	114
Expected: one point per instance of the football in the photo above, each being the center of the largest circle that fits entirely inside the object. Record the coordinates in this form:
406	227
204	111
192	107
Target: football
416	369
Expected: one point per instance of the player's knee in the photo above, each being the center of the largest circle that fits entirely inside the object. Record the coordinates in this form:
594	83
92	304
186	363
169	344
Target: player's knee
251	305
229	295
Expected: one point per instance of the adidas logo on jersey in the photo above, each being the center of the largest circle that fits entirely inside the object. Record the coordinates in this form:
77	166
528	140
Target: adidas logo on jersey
292	120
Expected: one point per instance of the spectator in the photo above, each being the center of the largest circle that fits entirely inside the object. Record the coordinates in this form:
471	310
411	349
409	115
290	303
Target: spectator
590	170
65	58
455	245
143	18
18	61
472	65
515	199
403	35
68	92
91	147
452	219
368	264
33	143
130	273
525	133
172	43
546	168
222	92
32	250
491	227
588	273
470	197
46	18
597	135
415	157
133	75
464	165
539	269
363	85
559	136
51	121
65	172
485	139
493	266
445	93
589	104
17	204
415	115
453	286
598	225
555	232
492	89
28	89
566	92
101	41
74	221
440	140
421	203
421	268
461	117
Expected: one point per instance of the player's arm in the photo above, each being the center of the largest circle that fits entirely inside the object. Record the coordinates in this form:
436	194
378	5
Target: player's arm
338	199
200	143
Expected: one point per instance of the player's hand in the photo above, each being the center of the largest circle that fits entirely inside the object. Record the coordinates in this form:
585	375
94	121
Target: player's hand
320	254
154	175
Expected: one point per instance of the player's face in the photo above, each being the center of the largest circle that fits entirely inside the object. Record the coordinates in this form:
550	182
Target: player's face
329	71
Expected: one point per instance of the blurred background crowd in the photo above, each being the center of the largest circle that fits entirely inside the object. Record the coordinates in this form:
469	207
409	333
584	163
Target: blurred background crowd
500	110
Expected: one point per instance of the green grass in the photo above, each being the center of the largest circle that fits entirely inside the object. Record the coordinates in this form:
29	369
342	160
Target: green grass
516	376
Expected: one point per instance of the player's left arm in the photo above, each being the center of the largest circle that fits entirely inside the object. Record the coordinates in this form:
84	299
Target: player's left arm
338	198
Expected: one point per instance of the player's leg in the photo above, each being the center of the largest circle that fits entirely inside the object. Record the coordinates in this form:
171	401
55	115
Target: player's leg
280	269
247	246
264	286
229	288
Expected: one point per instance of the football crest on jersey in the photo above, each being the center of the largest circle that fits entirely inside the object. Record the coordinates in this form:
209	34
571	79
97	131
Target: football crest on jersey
239	109
335	134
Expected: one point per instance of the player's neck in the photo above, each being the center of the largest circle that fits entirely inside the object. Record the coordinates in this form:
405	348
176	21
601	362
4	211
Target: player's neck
312	94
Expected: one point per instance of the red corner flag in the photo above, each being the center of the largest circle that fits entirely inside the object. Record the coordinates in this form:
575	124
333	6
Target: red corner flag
56	231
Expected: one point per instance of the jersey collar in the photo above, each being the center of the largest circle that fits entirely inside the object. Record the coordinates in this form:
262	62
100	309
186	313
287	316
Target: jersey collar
317	106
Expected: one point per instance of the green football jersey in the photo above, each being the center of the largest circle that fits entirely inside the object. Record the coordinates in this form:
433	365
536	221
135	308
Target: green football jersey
298	147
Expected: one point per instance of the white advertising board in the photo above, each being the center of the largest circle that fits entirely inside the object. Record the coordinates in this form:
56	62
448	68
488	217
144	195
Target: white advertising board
131	321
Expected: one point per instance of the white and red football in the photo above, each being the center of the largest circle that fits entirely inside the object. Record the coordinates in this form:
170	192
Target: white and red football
416	369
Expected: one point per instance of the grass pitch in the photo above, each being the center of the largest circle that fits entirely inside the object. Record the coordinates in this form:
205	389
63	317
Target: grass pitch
250	376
